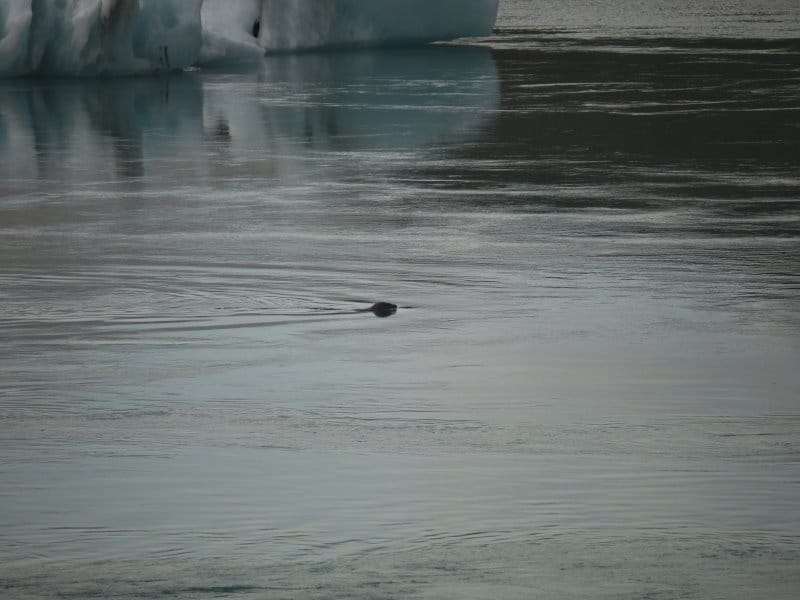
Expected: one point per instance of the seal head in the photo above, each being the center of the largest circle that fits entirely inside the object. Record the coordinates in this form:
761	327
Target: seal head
383	309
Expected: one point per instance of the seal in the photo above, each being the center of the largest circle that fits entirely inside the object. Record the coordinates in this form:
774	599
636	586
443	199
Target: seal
381	309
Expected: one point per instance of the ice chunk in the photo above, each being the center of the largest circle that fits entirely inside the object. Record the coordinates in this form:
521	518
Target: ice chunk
306	24
119	37
15	26
231	31
98	37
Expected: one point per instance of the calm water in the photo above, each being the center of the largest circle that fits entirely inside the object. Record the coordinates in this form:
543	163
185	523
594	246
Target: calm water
591	224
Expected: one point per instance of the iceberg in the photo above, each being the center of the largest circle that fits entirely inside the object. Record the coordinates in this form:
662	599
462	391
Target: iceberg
124	37
98	37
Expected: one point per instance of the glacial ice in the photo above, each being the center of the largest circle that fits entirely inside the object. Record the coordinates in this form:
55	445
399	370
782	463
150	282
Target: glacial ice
122	37
98	37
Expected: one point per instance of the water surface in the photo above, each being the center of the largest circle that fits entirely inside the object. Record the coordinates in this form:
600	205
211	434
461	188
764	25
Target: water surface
590	388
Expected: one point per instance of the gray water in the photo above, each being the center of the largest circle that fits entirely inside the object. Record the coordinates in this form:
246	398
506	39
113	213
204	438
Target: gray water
591	225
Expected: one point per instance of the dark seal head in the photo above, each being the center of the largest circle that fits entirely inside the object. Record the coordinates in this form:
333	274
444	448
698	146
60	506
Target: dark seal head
383	309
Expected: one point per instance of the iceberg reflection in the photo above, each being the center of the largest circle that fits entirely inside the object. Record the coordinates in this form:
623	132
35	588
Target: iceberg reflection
271	123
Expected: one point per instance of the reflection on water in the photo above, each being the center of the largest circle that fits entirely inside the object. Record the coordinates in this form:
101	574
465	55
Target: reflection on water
210	126
592	368
85	131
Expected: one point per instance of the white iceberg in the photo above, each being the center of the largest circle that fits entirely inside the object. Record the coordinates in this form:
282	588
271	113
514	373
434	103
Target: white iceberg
98	37
122	37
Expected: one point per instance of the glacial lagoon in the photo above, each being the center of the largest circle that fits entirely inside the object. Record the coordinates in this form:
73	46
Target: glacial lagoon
589	388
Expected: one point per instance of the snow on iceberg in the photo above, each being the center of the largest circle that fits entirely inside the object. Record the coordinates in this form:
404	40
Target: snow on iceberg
120	37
